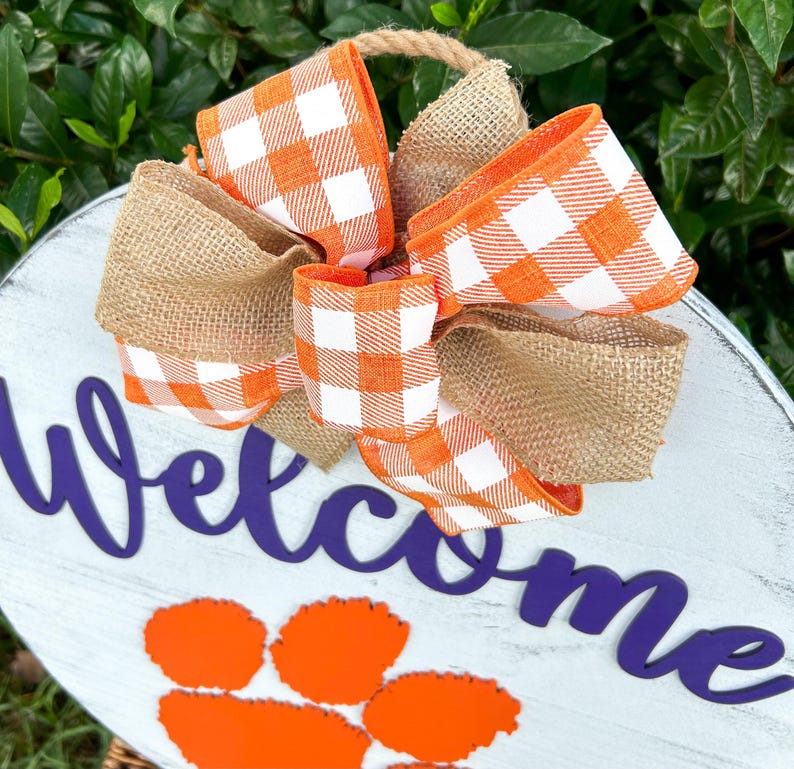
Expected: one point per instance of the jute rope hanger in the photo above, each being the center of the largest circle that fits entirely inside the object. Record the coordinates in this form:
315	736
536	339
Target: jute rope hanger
414	44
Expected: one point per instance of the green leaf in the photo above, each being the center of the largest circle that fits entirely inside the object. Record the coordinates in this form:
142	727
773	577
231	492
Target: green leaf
255	13
446	14
125	123
197	31
710	122
49	197
787	51
44	56
170	138
43	130
71	105
785	156
767	23
9	253
223	55
78	26
474	11
582	83
127	161
634	158
714	14
56	10
285	37
780	338
611	18
25	192
311	10
334	8
784	192
536	42
82	183
417	10
136	72
74	80
23	26
741	323
262	73
107	94
364	18
731	213
187	92
692	45
13	86
675	171
788	264
709	44
689	227
73	92
406	104
159	12
88	134
746	164
431	79
8	219
752	90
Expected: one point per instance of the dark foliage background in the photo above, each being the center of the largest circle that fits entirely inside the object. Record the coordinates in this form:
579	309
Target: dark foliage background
701	94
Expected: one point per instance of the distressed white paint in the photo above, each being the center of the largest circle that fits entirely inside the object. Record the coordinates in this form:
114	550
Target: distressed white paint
718	513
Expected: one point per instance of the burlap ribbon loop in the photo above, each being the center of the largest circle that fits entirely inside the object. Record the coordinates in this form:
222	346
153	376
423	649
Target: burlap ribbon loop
577	401
192	272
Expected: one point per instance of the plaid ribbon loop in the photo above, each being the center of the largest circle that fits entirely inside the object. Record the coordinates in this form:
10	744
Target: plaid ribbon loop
364	351
223	395
560	218
308	149
464	477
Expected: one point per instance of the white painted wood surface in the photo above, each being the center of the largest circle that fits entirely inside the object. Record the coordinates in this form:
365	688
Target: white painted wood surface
719	513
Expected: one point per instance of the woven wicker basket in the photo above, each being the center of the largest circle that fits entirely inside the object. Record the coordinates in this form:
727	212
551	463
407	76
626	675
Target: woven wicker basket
122	756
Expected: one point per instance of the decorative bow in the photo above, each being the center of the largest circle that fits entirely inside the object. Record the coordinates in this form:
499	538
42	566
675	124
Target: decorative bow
458	394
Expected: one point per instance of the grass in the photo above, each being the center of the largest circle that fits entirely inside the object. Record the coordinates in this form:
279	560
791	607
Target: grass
41	727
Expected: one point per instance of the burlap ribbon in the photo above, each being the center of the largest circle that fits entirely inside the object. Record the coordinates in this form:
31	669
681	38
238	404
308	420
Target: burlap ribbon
198	288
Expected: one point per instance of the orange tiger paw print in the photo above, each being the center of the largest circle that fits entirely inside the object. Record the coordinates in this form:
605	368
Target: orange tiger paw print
335	653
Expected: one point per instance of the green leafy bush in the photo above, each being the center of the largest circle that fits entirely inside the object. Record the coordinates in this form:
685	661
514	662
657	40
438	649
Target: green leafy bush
700	93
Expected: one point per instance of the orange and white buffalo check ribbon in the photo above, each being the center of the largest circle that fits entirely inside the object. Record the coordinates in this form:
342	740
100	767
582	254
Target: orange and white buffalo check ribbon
561	218
223	395
364	351
307	148
464	477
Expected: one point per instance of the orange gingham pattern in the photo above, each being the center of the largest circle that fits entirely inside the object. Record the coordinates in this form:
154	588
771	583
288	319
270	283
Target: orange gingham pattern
223	395
307	148
464	477
561	218
364	350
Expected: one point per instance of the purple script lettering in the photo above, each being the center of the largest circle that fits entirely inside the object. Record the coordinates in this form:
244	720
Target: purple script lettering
547	583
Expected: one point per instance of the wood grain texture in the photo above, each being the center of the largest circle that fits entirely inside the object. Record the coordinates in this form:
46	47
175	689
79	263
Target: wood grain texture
719	513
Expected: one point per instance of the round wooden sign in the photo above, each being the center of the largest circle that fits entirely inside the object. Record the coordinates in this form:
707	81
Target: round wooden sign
218	602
